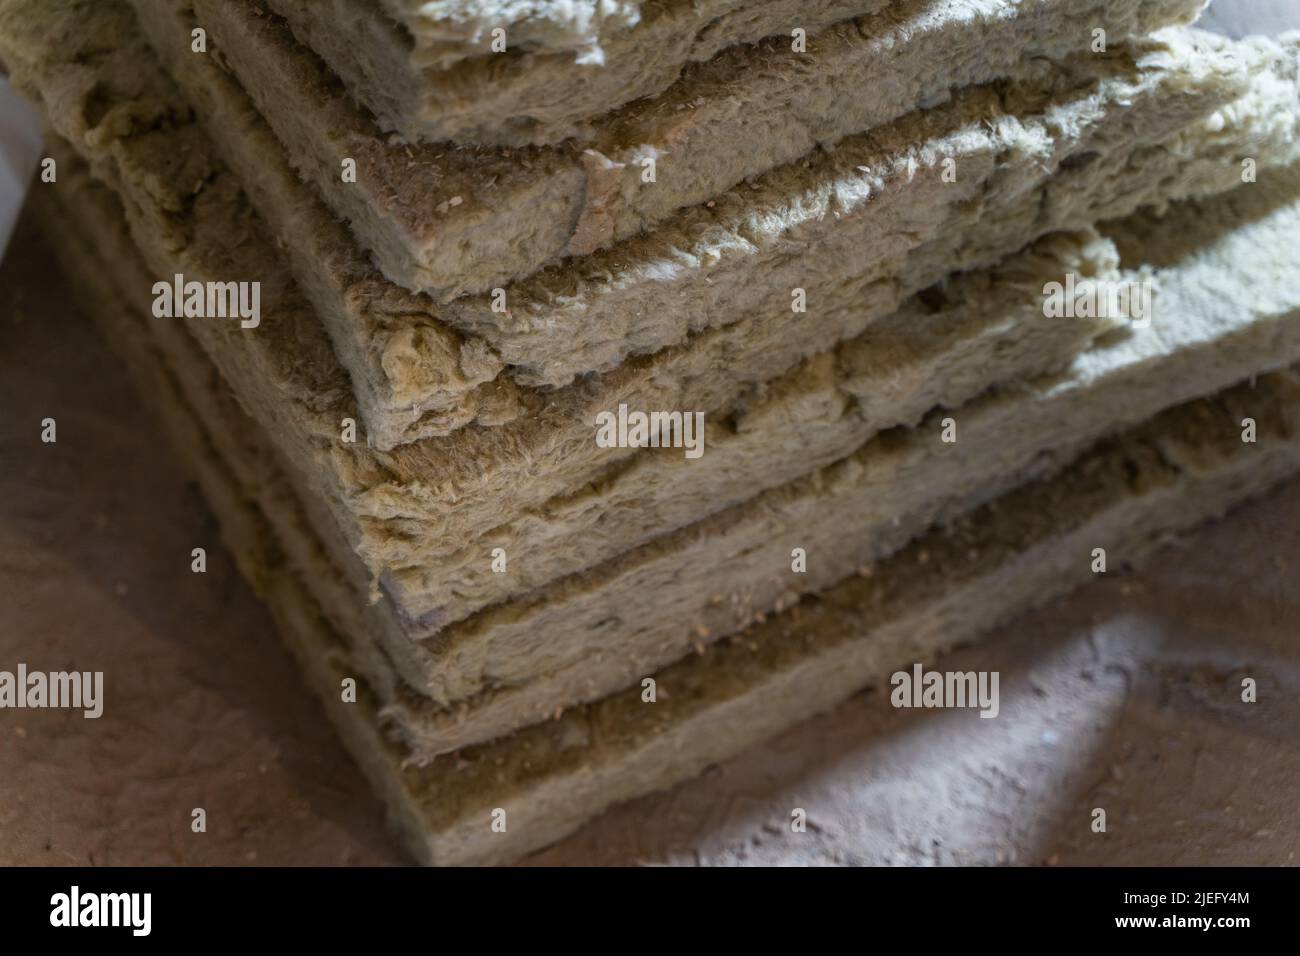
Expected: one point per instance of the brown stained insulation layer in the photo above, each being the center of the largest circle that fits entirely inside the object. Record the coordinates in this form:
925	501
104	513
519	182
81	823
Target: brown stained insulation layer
433	87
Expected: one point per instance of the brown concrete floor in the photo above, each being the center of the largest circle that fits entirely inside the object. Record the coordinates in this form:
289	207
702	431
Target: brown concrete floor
1124	696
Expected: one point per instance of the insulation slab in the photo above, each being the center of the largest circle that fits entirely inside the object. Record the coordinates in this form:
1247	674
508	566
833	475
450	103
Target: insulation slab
421	71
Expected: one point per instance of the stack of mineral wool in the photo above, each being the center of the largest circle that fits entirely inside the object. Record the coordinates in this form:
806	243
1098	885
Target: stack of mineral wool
940	304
